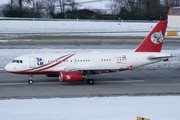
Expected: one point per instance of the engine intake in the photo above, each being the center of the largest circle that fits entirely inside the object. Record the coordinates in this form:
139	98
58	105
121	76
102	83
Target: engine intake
70	76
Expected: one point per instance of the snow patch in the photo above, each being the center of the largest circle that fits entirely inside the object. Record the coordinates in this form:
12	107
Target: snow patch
95	108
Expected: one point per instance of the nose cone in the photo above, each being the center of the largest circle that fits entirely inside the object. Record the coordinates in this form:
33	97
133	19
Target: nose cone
9	67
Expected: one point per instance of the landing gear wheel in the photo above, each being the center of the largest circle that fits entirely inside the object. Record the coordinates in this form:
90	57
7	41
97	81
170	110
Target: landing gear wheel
90	81
30	81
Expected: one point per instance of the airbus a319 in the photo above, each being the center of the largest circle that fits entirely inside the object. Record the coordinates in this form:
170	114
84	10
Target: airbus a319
76	67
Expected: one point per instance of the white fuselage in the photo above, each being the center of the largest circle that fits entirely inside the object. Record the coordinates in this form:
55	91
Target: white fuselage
55	62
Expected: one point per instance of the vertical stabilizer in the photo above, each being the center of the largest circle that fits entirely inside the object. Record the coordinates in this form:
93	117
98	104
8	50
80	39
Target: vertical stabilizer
154	40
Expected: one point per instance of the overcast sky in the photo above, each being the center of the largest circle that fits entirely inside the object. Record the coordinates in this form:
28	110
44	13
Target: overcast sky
3	1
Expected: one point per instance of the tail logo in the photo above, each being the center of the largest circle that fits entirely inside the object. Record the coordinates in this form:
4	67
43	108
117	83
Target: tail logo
157	37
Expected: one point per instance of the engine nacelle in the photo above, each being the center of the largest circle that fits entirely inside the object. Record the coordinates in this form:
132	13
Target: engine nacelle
70	76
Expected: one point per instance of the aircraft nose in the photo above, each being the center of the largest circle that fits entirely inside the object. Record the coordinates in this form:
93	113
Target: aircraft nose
9	68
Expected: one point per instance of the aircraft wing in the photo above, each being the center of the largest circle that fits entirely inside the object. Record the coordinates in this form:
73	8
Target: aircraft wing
97	71
80	69
71	69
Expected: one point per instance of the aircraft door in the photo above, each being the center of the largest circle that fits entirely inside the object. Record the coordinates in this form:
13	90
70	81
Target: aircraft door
31	61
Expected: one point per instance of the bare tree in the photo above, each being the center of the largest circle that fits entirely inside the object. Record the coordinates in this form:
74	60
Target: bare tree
171	3
152	8
21	2
71	5
117	5
177	3
50	8
137	9
61	6
11	4
39	6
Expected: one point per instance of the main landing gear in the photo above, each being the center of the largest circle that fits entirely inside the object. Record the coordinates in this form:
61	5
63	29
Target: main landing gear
30	81
90	81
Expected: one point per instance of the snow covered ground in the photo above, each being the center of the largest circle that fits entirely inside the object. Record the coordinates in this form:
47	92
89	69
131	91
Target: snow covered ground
95	108
69	26
78	28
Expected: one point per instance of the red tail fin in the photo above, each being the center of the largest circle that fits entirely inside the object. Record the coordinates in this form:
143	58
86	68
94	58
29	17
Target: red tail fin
153	42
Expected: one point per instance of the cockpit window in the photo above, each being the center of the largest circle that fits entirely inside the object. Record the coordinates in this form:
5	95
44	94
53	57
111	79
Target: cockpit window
17	61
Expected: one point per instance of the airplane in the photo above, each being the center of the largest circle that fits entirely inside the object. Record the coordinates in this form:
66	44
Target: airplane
76	67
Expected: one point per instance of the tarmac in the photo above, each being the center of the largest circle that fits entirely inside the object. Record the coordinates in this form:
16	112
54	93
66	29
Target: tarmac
135	82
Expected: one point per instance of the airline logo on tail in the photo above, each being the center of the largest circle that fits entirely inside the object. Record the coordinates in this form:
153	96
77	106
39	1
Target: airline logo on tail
157	37
154	40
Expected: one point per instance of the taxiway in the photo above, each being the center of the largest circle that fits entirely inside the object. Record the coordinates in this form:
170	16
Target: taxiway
136	82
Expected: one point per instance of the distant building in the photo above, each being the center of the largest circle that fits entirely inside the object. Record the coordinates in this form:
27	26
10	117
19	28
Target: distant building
174	17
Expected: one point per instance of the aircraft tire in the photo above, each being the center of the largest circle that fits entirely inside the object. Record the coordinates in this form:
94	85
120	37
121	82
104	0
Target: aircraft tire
90	81
30	81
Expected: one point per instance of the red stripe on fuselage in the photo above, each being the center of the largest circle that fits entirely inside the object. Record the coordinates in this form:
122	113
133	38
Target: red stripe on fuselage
41	70
56	63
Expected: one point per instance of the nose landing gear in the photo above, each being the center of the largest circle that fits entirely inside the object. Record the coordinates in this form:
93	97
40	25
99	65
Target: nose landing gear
90	81
30	81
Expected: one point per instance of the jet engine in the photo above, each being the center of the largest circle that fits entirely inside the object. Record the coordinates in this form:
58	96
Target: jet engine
70	76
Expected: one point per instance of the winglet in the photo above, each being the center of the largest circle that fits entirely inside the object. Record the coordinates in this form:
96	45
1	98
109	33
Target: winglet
154	40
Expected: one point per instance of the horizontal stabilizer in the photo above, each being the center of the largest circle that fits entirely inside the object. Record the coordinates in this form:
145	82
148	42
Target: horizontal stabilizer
160	57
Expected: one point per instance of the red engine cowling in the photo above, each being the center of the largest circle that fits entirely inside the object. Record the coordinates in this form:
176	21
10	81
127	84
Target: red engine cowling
70	76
